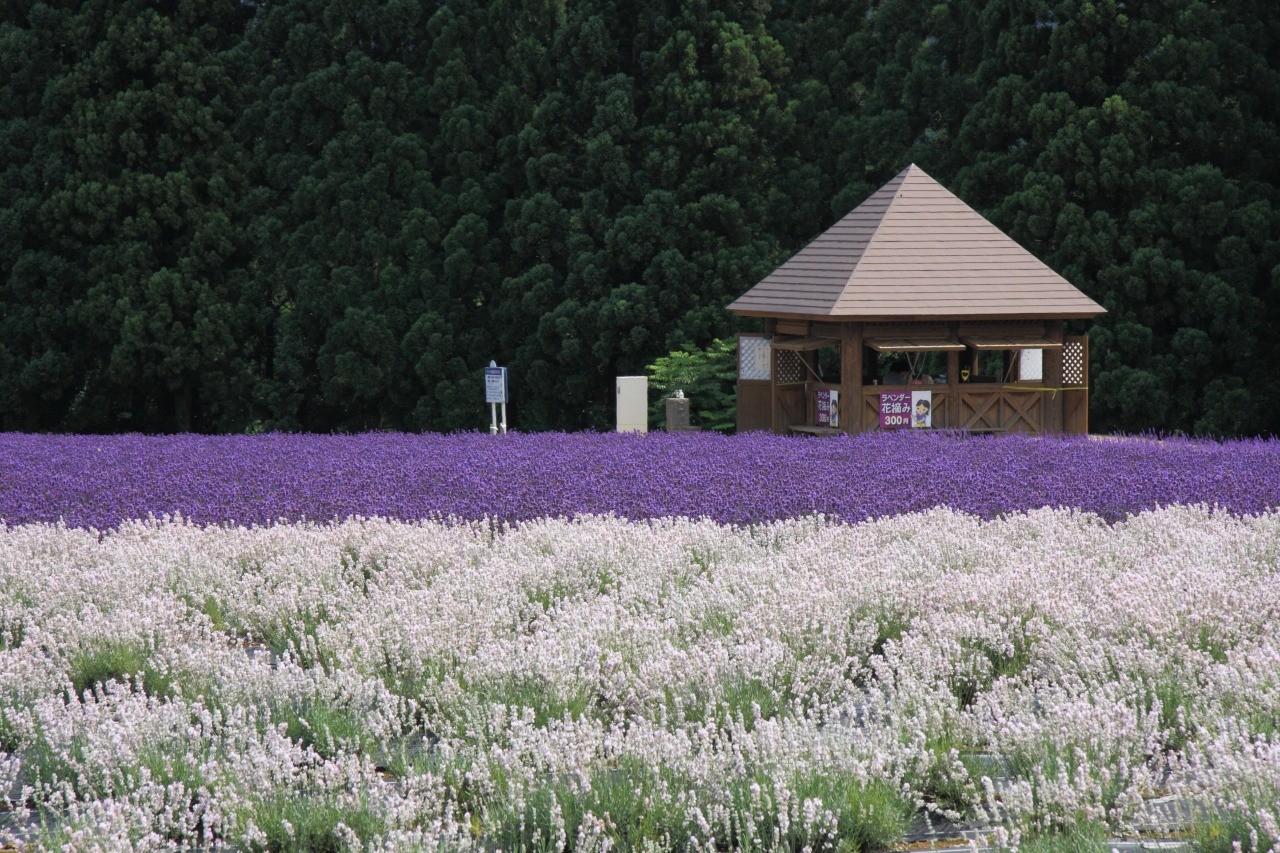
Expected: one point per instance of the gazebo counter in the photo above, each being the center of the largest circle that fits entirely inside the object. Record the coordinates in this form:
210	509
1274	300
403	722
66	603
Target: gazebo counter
982	407
1045	405
976	405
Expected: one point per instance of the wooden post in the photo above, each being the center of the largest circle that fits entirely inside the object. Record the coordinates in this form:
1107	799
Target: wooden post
953	378
809	403
851	377
773	390
1085	372
1053	378
771	329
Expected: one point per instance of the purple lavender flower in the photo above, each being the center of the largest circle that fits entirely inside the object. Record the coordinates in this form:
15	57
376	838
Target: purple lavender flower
97	481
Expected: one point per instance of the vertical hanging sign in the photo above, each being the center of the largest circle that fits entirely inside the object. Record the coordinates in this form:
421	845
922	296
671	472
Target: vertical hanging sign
922	409
828	408
495	394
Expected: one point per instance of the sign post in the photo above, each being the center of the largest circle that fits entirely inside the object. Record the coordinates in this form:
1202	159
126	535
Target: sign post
495	394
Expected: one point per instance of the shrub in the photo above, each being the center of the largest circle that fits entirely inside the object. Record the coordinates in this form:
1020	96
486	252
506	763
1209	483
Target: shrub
707	377
117	661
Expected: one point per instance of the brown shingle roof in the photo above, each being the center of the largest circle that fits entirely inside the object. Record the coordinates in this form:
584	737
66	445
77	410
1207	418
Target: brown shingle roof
913	250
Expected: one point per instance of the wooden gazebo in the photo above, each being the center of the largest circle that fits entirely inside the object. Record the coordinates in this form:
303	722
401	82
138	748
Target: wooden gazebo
913	311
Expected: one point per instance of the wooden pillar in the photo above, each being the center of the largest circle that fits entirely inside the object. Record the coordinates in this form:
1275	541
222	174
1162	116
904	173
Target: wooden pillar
851	377
953	378
808	406
771	329
774	419
1084	339
1053	378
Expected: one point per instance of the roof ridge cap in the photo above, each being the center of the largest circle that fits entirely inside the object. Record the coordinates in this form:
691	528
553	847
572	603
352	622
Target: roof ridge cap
874	232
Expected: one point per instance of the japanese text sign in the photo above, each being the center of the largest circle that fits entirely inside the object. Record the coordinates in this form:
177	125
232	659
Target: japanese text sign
495	385
895	409
828	408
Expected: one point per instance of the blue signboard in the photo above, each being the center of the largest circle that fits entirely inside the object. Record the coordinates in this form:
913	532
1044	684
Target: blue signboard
495	385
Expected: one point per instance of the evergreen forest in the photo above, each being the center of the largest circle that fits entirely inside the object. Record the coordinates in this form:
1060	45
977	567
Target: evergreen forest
329	215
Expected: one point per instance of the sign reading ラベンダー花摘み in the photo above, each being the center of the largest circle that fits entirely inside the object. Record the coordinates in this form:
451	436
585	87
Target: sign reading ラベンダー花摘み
828	408
895	409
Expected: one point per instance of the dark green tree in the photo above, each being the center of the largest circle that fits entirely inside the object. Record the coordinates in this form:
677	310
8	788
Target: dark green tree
649	163
38	376
137	308
1120	143
386	136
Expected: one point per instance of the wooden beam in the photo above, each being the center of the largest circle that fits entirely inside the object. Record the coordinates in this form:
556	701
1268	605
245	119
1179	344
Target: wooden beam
809	405
855	317
789	326
1085	339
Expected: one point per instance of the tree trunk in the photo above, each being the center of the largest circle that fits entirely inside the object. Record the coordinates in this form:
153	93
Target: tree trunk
182	408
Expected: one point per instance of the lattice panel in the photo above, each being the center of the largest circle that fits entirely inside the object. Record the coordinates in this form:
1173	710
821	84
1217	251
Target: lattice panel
1073	363
753	358
790	366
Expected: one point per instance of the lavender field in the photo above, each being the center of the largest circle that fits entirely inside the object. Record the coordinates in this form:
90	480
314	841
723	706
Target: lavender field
98	481
513	678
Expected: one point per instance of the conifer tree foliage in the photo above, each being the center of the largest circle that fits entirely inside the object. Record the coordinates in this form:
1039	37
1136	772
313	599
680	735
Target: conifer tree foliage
1126	144
649	164
36	376
342	243
331	214
128	302
385	133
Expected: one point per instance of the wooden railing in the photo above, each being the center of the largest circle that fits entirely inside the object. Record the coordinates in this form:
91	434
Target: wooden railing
975	407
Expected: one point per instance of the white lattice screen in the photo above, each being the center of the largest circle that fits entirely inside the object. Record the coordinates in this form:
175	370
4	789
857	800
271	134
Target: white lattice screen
753	358
1073	363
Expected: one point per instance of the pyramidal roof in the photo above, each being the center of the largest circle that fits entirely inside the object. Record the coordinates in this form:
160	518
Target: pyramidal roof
913	251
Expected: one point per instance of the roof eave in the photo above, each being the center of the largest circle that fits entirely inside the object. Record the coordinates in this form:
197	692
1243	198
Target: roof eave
908	318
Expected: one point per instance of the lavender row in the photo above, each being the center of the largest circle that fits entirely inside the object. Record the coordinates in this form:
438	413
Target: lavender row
97	481
672	685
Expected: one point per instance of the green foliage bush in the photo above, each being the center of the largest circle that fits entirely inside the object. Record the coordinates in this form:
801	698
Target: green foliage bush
1082	838
1221	833
706	376
639	804
298	823
118	661
868	815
